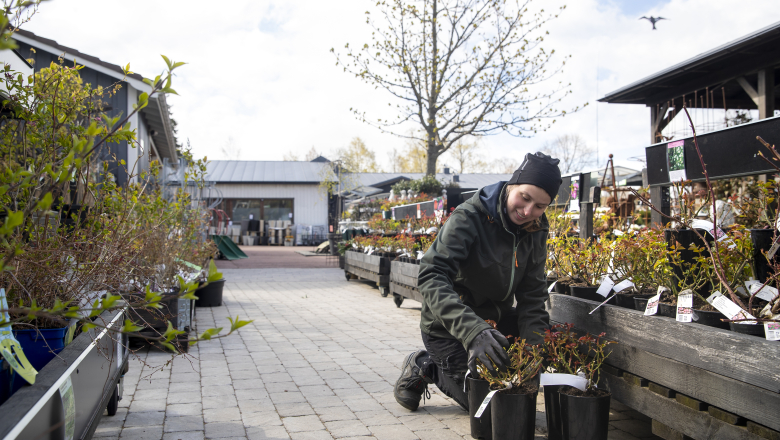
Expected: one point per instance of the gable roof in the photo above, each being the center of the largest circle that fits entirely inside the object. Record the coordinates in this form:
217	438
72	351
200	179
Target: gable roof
258	171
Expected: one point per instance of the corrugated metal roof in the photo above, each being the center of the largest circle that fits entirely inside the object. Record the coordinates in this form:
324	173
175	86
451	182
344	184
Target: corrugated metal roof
256	171
246	171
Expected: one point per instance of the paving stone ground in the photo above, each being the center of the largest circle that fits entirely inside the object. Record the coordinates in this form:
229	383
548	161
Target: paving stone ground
318	362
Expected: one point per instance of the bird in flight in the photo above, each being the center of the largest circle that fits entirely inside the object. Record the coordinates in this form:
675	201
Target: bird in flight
653	20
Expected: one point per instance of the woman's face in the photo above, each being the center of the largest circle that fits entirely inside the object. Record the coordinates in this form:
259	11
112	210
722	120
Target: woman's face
526	203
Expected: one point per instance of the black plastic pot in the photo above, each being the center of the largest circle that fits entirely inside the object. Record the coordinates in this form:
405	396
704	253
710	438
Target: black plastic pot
711	319
686	237
668	310
627	301
480	427
640	303
211	295
589	293
762	241
563	289
552	409
748	329
585	418
513	416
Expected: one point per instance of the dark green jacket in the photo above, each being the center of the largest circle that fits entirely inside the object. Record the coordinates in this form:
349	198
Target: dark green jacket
478	266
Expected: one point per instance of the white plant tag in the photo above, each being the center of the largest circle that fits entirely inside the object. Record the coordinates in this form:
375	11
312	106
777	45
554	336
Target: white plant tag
563	379
623	285
767	293
370	250
550	273
652	303
552	286
685	307
605	301
772	330
728	308
617	232
718	234
773	250
605	287
485	403
420	255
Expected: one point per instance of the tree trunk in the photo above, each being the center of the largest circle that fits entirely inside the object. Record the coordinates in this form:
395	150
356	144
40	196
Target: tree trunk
432	156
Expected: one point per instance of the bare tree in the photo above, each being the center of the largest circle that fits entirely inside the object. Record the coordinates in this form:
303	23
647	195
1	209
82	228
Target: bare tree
504	165
358	158
312	154
460	68
290	157
571	149
467	158
230	149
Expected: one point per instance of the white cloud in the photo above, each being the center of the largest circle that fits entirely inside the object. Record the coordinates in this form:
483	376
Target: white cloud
261	71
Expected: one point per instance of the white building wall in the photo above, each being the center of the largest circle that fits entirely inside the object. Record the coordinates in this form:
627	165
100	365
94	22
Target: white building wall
310	204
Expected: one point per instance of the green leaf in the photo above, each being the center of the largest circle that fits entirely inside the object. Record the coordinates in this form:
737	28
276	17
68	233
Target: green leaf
130	327
171	332
237	324
170	347
167	61
45	202
214	274
208	334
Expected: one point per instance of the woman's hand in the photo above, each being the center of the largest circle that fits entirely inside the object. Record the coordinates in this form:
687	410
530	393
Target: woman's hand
489	347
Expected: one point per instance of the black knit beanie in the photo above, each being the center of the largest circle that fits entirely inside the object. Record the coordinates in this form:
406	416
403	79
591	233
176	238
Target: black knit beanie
540	170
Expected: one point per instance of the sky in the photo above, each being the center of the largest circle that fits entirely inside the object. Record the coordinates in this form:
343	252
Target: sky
261	72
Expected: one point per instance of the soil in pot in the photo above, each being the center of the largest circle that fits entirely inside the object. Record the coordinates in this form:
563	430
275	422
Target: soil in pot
587	292
513	413
584	415
211	295
480	427
748	329
552	410
626	300
762	241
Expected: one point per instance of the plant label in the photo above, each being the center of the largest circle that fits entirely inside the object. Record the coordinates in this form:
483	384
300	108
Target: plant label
715	232
420	255
485	403
552	286
571	380
623	285
772	330
685	307
652	303
728	308
675	156
605	287
773	250
599	306
767	293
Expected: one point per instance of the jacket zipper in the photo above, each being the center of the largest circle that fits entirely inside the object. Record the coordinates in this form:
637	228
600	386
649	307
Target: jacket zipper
512	277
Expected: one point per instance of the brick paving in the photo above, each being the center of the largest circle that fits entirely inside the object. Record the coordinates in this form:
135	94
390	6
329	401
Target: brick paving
278	257
318	362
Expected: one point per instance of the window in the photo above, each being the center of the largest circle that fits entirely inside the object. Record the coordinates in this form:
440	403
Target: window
243	208
278	209
259	209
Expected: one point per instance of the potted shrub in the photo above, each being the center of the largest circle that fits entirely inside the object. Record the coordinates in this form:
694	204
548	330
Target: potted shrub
584	413
589	263
639	256
513	407
212	284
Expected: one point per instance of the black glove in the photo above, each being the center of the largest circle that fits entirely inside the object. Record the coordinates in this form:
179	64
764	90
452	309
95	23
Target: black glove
489	344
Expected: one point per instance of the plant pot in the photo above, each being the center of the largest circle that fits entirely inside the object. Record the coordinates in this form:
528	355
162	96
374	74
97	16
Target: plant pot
589	293
712	319
480	427
211	295
686	237
748	329
762	241
585	418
563	289
552	410
41	345
668	310
640	304
513	416
627	301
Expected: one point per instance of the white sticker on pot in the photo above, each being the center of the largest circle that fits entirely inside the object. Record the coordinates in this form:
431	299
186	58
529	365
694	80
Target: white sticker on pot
623	285
552	286
772	330
605	287
652	303
728	308
685	307
485	403
563	379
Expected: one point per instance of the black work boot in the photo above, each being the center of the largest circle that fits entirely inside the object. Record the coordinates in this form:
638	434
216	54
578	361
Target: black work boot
413	383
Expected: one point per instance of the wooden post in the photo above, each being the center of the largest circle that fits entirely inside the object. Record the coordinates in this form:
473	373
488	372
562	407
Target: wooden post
586	208
766	93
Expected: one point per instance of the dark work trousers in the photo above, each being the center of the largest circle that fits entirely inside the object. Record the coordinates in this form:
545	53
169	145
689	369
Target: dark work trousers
451	360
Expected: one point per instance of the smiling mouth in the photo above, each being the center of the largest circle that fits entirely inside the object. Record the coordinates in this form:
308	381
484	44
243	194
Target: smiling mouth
519	216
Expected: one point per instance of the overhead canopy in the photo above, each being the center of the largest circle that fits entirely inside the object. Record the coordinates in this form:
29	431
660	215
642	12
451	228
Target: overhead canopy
712	78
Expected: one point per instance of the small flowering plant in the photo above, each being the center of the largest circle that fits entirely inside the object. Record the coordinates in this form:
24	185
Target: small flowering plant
566	353
525	363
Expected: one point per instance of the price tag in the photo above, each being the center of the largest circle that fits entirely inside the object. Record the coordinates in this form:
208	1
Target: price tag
773	250
652	303
717	233
685	307
728	308
605	287
623	285
485	403
552	286
772	330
